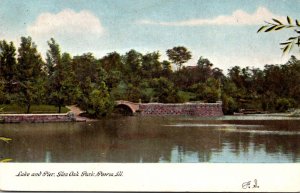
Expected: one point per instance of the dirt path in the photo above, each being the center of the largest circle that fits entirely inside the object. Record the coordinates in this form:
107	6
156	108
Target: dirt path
77	111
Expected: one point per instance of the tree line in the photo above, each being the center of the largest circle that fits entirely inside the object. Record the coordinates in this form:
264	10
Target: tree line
95	83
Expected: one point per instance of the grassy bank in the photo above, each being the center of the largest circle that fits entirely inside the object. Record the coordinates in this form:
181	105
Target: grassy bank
14	108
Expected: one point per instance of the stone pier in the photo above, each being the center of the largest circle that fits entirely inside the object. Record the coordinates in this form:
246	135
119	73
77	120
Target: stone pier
37	118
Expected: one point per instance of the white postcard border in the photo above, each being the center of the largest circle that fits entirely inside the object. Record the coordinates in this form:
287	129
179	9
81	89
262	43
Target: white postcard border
150	177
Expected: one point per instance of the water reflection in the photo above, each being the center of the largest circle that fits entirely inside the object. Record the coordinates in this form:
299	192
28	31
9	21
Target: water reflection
154	139
48	157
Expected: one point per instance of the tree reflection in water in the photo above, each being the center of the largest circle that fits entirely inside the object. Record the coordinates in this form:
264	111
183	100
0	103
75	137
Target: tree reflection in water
154	139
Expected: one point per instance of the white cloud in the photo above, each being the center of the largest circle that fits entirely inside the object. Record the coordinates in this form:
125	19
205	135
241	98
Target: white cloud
66	22
238	17
76	32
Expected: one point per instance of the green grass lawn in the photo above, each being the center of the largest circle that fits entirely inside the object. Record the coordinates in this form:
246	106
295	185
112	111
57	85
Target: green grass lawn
14	108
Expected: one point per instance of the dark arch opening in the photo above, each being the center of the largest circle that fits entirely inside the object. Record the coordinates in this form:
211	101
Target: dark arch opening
122	109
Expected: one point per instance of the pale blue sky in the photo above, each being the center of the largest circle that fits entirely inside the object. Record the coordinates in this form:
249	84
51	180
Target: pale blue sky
222	31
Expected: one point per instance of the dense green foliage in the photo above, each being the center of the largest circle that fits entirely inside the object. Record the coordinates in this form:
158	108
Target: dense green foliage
94	84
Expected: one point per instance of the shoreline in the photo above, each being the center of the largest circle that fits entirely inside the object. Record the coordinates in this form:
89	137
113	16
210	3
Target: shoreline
71	116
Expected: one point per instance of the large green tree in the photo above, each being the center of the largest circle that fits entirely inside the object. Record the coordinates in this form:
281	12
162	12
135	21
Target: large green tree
61	78
100	101
86	71
29	73
89	76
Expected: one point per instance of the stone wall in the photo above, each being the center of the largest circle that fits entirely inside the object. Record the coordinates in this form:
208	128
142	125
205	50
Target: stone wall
36	118
193	109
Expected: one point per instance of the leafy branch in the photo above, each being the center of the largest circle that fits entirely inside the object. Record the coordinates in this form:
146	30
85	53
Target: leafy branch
276	25
5	139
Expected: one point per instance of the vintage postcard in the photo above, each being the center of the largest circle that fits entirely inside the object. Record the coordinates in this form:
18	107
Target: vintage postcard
156	95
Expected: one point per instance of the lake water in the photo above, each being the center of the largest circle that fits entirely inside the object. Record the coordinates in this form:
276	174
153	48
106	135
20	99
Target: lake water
251	139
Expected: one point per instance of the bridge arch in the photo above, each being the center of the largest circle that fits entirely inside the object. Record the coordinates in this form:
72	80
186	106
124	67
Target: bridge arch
123	109
127	107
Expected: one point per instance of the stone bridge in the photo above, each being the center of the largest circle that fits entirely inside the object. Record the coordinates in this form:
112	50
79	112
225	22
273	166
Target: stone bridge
193	109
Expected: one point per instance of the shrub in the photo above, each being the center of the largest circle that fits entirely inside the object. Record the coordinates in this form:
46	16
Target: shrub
283	104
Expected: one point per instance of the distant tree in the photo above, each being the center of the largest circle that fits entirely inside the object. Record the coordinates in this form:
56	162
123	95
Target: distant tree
208	91
133	61
112	62
113	79
282	81
204	63
274	79
7	60
217	73
29	72
132	67
179	55
205	69
229	97
293	78
113	66
7	66
87	66
235	75
133	93
212	91
151	66
164	90
186	77
146	91
257	81
119	91
3	94
166	69
276	25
